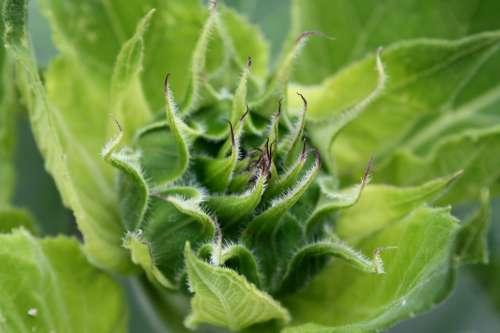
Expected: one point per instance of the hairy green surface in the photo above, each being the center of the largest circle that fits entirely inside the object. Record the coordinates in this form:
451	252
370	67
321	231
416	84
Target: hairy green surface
235	188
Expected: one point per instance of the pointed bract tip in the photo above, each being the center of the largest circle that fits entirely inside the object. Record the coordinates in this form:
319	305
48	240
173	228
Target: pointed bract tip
318	159
165	84
247	111
303	152
233	140
117	123
307	34
249	62
280	105
366	174
304	100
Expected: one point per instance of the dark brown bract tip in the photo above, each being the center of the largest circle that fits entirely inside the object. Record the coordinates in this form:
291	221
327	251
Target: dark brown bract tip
233	140
249	62
165	84
245	114
304	100
280	105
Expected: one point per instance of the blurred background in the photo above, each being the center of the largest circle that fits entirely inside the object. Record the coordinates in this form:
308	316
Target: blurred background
471	307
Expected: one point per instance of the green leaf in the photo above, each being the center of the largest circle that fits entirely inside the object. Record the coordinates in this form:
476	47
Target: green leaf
234	256
224	298
12	218
47	285
322	129
473	150
278	82
235	207
418	274
273	233
141	254
218	172
263	224
311	258
70	141
175	216
198	62
489	275
246	40
408	102
384	205
8	112
126	96
162	162
472	244
332	200
132	187
96	31
360	27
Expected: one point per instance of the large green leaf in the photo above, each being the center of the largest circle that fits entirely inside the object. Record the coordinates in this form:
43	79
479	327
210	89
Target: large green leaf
49	286
472	239
7	122
475	151
435	94
70	141
12	218
224	298
381	205
95	31
361	26
418	274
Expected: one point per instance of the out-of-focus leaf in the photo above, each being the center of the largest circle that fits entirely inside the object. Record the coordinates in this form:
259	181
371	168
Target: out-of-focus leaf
70	140
360	27
7	121
12	218
96	30
418	274
489	274
48	285
472	239
224	298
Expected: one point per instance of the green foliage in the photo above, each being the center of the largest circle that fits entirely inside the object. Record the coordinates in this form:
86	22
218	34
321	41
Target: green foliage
7	123
417	275
219	177
49	286
224	298
359	27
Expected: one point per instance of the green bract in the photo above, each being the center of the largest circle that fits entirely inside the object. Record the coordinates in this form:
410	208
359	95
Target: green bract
225	183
